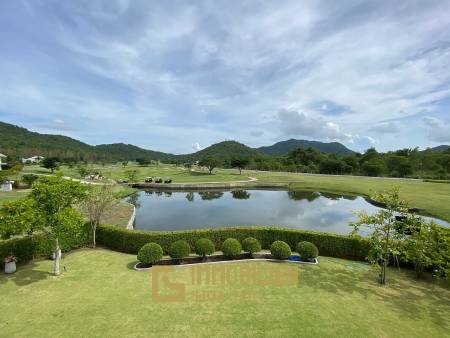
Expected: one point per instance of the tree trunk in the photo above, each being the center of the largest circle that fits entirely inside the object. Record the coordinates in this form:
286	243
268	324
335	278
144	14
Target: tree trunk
57	259
240	171
383	273
94	228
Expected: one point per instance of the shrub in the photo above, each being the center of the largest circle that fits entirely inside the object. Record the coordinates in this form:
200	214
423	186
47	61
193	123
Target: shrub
179	249
280	250
307	250
204	246
231	247
150	253
329	244
251	245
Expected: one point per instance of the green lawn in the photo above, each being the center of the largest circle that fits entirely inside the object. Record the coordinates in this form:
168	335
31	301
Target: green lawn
12	195
99	295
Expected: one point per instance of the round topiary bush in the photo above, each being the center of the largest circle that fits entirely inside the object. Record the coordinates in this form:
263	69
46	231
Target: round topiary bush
251	245
231	247
307	250
150	253
179	249
280	250
204	246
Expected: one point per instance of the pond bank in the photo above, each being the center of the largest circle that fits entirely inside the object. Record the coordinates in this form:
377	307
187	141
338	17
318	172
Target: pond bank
209	186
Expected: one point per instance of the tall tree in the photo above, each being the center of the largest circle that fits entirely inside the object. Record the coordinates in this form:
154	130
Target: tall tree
97	202
210	162
54	197
383	225
240	163
50	163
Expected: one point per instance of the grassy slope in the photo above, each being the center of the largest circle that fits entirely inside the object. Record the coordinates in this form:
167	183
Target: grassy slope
100	295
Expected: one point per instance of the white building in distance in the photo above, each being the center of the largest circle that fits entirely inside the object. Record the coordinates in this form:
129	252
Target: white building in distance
1	158
33	159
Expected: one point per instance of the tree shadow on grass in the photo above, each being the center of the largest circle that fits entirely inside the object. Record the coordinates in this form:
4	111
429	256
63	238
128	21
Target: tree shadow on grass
406	295
27	275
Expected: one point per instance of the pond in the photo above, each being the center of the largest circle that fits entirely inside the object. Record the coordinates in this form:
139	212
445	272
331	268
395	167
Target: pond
156	210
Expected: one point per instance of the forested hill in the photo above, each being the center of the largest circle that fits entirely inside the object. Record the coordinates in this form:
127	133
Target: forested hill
225	149
285	147
18	142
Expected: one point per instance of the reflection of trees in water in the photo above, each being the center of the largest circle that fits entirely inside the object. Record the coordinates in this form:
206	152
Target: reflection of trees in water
311	196
149	192
190	196
335	197
303	195
210	195
168	194
134	199
241	194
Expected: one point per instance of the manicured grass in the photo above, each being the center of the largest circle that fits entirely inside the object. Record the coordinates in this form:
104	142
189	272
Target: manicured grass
12	195
99	295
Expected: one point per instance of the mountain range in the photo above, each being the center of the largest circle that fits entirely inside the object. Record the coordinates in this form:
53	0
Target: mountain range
19	142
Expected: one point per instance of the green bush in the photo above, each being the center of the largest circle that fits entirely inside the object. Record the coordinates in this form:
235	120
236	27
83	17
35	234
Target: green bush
204	246
329	244
179	249
307	250
251	245
280	250
231	247
150	253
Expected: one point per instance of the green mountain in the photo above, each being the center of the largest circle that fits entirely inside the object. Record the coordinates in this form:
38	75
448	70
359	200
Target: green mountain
225	149
284	147
442	147
19	142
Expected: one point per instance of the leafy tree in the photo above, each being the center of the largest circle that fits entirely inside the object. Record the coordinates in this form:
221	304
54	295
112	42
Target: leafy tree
29	179
372	167
210	162
132	175
19	217
54	196
142	161
50	163
240	163
384	237
82	171
96	203
426	246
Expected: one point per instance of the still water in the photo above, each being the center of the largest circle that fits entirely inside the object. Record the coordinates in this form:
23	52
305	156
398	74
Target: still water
157	210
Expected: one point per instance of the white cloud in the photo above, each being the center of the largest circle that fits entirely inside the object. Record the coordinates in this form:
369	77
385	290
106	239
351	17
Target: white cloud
439	130
385	127
196	146
298	124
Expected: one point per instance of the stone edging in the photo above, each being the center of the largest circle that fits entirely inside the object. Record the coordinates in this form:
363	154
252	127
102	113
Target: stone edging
130	225
316	262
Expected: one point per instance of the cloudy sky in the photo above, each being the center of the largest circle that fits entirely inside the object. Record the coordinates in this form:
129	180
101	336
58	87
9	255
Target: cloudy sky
180	75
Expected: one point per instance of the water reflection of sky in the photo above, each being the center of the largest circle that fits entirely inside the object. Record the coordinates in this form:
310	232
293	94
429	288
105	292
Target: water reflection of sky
298	210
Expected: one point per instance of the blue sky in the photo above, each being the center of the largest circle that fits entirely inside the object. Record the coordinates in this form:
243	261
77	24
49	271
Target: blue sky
177	76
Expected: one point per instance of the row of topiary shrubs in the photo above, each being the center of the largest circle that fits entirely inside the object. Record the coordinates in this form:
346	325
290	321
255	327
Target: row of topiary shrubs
332	245
151	253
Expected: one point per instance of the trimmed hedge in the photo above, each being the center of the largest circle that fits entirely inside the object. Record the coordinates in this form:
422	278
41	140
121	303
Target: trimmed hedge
332	245
41	245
